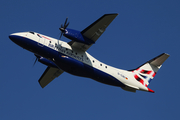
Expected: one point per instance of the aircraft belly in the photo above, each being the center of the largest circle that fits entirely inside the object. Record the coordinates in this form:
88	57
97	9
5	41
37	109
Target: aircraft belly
106	78
78	68
72	66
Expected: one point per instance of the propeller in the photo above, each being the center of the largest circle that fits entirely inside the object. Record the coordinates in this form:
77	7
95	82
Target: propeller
63	27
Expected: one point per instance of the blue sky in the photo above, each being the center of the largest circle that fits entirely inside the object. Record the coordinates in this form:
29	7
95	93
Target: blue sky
141	31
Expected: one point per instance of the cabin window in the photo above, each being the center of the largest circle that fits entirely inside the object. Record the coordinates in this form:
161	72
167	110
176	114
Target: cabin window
105	66
101	64
93	61
49	41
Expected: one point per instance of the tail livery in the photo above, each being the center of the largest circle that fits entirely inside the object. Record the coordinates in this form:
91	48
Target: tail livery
146	72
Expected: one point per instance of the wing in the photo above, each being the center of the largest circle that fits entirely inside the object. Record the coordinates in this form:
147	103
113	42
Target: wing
94	31
49	74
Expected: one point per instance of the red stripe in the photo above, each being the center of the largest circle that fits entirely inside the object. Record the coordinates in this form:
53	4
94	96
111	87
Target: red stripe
154	74
136	76
145	71
141	81
150	90
149	72
46	37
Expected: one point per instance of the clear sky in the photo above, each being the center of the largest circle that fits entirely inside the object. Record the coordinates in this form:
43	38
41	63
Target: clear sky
142	30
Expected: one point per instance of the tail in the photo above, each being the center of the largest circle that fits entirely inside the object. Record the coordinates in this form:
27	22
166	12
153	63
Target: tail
146	72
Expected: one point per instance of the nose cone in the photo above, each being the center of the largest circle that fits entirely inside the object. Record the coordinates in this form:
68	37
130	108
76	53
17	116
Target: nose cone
17	38
12	37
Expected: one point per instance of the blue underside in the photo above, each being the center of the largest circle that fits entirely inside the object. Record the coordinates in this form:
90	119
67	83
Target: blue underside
66	63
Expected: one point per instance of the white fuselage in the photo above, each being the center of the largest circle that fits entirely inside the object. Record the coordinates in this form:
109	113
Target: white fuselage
62	50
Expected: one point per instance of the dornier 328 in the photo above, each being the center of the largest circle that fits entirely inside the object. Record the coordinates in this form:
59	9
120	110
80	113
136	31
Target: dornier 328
72	57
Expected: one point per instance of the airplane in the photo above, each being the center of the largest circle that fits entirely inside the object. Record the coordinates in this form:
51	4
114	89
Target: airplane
71	57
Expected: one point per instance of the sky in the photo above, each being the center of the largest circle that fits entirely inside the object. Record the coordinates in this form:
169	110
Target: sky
142	30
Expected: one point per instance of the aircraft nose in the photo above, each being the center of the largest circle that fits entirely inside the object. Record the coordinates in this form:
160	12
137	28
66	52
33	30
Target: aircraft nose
16	38
11	37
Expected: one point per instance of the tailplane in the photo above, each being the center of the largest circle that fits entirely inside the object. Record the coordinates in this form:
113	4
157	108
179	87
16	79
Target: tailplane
146	72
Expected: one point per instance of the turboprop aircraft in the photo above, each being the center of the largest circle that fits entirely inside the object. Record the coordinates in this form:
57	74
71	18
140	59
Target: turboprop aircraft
72	57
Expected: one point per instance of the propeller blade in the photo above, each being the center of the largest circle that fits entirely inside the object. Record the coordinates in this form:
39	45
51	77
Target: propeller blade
35	61
66	25
65	21
63	27
60	36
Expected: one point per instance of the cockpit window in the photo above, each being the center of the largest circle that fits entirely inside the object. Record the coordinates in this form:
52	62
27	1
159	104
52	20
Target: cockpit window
31	32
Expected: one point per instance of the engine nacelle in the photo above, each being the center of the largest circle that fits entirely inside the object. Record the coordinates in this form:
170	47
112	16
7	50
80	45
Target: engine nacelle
46	62
75	35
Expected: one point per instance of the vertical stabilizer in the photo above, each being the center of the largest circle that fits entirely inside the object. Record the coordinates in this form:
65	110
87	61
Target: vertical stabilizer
146	72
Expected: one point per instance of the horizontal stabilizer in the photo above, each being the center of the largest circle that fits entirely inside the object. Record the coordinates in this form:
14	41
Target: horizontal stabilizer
130	88
49	74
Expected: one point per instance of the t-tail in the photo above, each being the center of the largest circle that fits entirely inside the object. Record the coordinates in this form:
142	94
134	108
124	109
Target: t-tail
146	72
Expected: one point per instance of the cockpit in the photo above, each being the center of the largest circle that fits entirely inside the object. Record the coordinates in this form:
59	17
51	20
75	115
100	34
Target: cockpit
34	34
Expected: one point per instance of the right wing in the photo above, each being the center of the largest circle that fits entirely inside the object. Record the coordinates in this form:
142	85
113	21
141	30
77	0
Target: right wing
94	31
49	74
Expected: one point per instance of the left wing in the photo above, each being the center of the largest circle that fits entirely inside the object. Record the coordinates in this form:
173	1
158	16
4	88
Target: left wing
94	31
49	74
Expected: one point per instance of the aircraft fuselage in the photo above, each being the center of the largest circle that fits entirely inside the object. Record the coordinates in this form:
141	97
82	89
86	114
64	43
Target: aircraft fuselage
74	61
